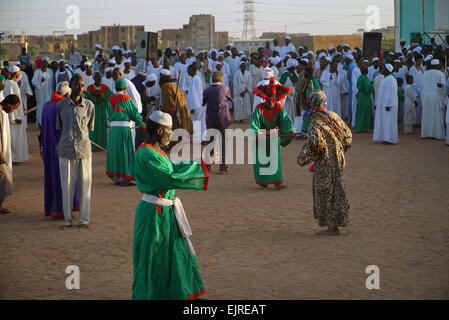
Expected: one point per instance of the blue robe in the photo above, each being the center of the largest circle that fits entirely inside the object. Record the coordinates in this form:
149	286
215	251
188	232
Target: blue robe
52	180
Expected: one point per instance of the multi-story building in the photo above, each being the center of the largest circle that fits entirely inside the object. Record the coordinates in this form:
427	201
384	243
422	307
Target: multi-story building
203	31
177	38
107	36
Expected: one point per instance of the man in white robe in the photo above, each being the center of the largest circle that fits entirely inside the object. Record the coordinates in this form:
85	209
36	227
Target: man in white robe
386	113
331	80
195	102
242	91
289	79
25	90
233	62
181	67
6	131
372	69
43	83
19	142
417	71
433	101
88	75
256	72
289	47
356	73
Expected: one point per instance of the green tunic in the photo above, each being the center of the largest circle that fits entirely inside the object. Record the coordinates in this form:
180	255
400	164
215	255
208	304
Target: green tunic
99	135
120	153
275	118
364	111
163	267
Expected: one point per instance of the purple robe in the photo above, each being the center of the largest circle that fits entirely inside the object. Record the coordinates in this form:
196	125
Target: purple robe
52	180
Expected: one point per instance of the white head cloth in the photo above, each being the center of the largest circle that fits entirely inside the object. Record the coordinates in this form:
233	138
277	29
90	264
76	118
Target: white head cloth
162	118
292	63
165	72
389	67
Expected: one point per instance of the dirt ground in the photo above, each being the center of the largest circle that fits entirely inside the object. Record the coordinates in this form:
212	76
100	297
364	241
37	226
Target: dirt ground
250	243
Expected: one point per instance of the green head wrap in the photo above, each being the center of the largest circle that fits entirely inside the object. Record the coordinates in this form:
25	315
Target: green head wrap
120	84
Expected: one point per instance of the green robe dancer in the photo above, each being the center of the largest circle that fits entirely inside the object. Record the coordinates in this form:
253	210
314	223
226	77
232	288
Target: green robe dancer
120	153
163	267
276	118
99	97
364	111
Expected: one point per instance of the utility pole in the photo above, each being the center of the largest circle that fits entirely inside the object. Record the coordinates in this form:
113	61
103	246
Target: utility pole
249	27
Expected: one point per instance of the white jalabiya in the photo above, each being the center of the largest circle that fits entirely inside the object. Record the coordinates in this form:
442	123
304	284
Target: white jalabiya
286	49
6	134
386	122
242	105
344	88
355	77
371	71
25	89
131	75
290	104
275	72
433	101
447	113
377	80
132	92
409	108
194	103
43	90
154	91
234	66
19	142
417	83
332	88
182	67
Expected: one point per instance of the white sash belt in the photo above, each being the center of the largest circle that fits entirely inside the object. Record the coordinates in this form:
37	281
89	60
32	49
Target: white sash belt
119	124
180	216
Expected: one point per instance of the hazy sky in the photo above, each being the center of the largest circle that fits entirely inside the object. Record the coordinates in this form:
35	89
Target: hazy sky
315	17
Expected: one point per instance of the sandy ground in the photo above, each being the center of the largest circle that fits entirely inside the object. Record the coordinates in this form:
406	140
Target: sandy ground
250	243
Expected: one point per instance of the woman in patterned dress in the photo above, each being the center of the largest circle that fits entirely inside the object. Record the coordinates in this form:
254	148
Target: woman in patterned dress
328	138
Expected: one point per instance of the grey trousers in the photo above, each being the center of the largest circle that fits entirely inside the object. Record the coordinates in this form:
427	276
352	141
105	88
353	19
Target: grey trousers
72	171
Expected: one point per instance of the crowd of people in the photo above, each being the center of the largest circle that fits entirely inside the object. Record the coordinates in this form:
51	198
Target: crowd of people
119	103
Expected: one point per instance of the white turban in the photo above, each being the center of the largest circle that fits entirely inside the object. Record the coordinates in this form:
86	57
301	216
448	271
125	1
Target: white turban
288	37
45	59
161	118
276	60
435	62
292	63
150	77
165	72
350	56
375	59
127	61
63	88
17	63
112	61
87	64
389	67
13	69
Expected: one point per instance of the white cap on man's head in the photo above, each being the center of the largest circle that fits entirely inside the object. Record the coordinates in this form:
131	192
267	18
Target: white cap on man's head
45	59
13	69
435	62
375	59
350	56
292	63
151	77
162	118
389	67
112	61
165	72
288	37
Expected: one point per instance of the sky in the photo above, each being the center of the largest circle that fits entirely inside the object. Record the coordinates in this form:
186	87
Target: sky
314	17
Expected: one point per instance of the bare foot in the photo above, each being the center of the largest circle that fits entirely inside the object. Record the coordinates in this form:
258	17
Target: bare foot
328	232
4	211
279	186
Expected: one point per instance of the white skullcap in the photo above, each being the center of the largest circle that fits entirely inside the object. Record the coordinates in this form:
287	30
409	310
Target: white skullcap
115	47
151	77
142	73
346	45
389	67
322	54
220	54
17	63
97	46
288	37
397	61
165	72
375	59
241	52
161	118
305	60
126	61
292	63
87	64
300	47
267	73
327	58
45	59
350	56
435	62
13	69
331	48
354	51
366	61
212	50
243	57
60	60
112	61
106	70
63	88
429	57
242	62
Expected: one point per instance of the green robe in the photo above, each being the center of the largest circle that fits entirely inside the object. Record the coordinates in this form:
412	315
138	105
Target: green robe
163	267
364	111
263	118
99	135
120	153
316	86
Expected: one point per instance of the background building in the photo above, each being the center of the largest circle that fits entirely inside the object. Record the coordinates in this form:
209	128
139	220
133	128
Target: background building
414	18
107	36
